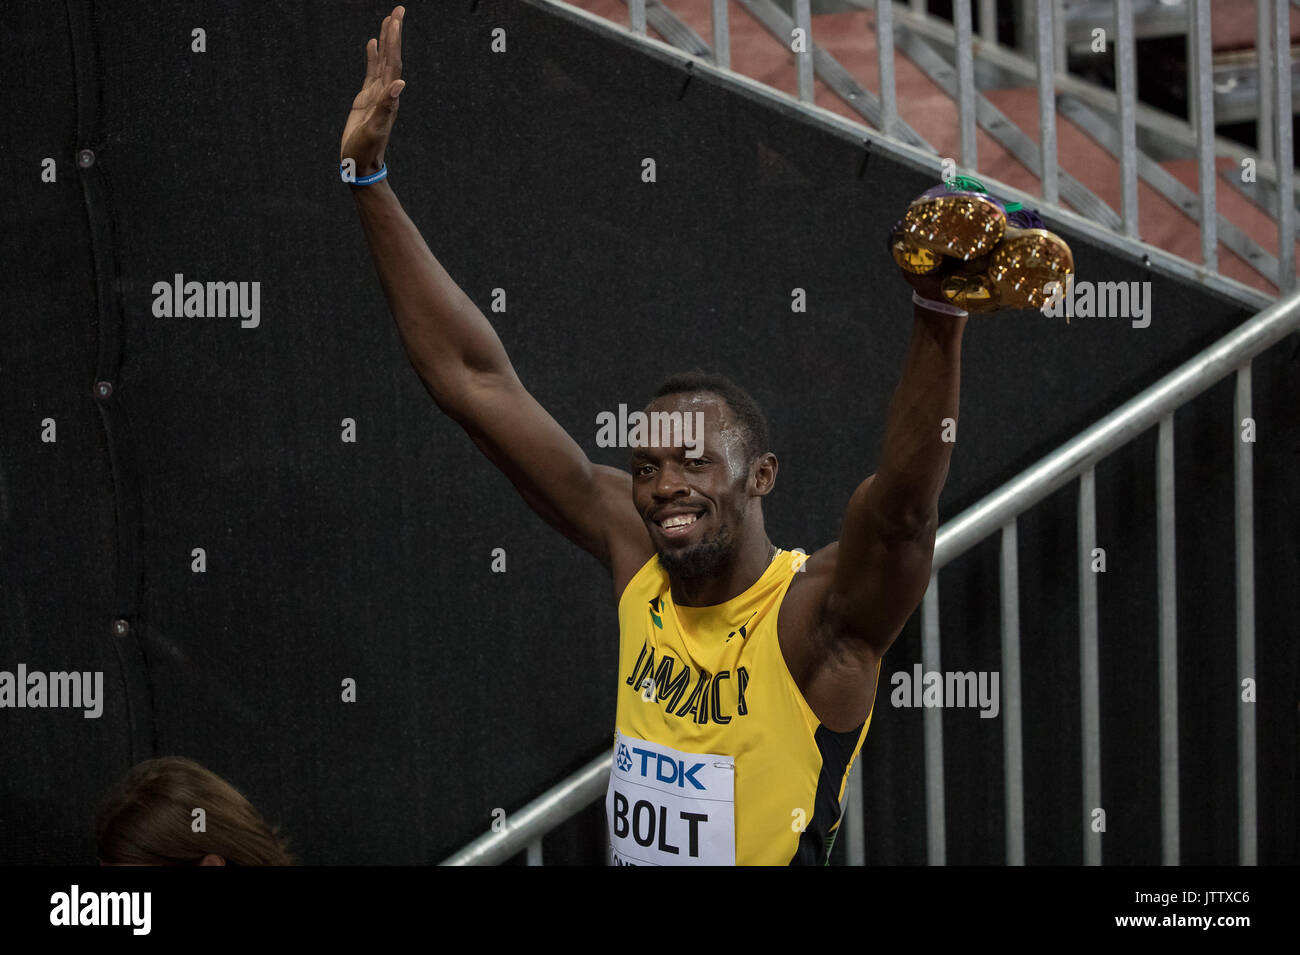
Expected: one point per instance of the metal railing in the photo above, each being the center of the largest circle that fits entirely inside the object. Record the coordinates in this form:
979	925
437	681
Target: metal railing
523	830
1076	459
919	32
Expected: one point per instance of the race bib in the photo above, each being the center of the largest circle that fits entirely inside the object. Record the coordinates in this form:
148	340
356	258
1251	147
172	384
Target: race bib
666	807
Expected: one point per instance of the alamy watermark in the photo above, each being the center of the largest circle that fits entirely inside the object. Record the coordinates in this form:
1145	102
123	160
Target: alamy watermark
1071	299
181	299
931	688
35	689
665	429
129	909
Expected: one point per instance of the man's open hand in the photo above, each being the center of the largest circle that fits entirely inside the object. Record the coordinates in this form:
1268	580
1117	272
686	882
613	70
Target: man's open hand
365	137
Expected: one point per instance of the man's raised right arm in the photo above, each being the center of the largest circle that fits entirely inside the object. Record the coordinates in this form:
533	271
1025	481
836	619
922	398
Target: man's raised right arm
465	369
460	358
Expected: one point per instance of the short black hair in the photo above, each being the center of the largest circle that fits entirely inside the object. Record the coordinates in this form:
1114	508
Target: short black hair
752	422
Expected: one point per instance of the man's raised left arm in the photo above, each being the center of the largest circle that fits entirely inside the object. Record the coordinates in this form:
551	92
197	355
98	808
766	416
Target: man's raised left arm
886	545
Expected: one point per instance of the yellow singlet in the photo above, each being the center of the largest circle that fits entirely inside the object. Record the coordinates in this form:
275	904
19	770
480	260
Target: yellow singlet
718	759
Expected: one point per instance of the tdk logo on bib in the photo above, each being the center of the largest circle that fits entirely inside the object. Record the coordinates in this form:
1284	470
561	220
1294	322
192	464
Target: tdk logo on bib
667	807
667	770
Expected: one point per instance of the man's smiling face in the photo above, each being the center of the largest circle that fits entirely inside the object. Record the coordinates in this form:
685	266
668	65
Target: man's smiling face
691	488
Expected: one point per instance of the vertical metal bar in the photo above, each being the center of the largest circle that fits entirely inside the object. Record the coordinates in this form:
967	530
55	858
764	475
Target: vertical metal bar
965	82
1012	748
721	35
636	16
535	852
1026	27
1089	669
804	60
855	819
935	843
1058	37
989	21
1285	156
1264	58
1126	83
885	53
1245	507
1200	10
1050	174
1168	656
1191	54
919	6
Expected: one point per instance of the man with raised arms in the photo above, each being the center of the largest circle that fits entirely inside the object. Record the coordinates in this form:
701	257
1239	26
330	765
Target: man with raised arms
747	673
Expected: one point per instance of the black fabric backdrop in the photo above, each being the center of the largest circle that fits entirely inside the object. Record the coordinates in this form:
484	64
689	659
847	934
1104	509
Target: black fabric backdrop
372	560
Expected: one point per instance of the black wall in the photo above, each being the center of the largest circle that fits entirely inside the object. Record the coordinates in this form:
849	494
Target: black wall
371	560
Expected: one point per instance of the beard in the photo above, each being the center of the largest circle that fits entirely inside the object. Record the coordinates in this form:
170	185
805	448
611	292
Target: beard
705	559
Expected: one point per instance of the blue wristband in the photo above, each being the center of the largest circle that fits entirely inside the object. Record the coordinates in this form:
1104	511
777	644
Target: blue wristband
369	180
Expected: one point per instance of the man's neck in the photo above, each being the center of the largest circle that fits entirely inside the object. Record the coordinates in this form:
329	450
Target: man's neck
732	580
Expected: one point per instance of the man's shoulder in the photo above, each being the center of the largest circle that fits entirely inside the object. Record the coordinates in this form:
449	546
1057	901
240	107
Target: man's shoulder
813	572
